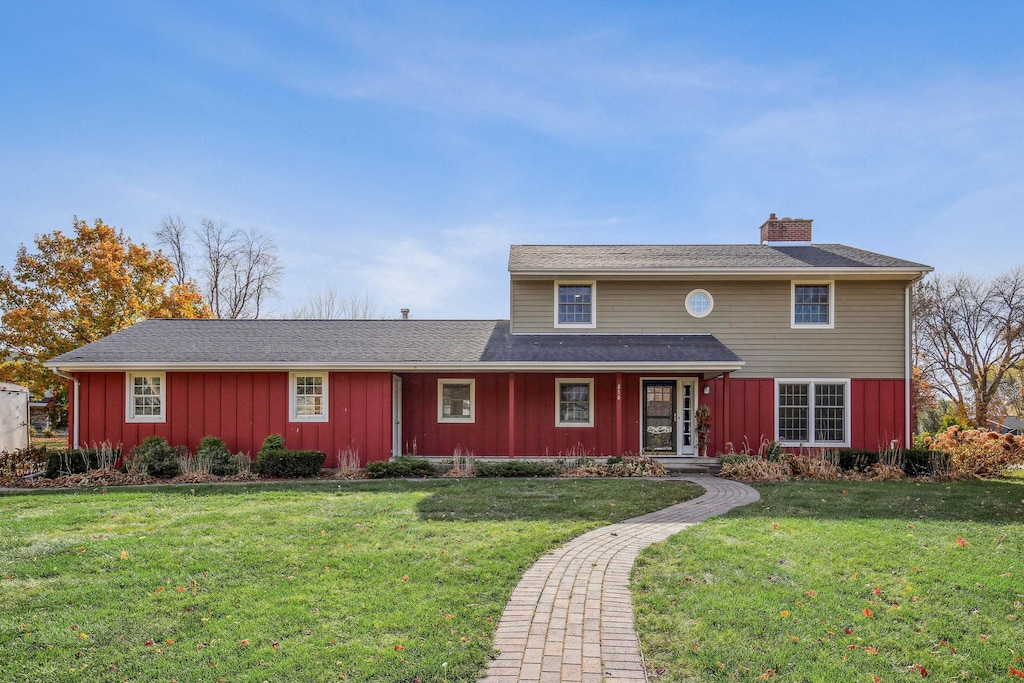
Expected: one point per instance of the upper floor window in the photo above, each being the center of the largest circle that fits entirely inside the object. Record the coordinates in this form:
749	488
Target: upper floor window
699	303
147	394
308	397
574	304
813	304
813	412
455	400
574	405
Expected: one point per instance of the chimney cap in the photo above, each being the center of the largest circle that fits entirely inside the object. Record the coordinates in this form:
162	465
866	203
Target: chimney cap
405	314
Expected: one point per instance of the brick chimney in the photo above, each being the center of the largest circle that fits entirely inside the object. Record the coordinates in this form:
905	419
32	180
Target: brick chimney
786	229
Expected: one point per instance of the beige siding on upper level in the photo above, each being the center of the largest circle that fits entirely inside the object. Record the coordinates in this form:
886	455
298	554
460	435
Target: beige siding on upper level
750	317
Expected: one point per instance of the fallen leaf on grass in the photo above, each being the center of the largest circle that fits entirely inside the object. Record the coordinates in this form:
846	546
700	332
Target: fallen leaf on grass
244	641
867	612
960	541
124	554
1016	672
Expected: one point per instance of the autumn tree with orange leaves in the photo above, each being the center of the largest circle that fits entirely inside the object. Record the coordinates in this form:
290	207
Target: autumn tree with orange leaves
76	289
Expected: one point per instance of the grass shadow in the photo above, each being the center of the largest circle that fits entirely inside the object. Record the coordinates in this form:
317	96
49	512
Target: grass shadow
499	499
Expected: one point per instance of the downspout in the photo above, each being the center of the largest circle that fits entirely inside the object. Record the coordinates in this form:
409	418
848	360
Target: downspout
908	372
78	418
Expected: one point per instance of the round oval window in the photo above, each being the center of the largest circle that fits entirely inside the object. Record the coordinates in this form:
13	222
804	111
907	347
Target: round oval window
699	303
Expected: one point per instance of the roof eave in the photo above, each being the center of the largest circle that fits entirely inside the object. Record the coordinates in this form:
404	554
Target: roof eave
708	369
901	272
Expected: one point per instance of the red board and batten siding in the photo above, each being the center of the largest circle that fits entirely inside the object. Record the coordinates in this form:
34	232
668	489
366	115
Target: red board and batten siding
876	413
533	424
243	408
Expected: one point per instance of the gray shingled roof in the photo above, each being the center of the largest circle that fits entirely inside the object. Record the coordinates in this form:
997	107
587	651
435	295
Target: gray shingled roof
568	258
347	343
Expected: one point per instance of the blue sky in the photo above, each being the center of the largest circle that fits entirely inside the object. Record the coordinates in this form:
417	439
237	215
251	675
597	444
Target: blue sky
399	148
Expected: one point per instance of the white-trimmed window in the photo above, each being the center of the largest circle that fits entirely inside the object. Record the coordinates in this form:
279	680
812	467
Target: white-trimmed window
813	305
574	402
699	303
147	397
308	396
813	412
575	304
456	400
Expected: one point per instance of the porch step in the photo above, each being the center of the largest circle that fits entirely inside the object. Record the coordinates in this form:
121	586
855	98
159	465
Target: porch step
676	464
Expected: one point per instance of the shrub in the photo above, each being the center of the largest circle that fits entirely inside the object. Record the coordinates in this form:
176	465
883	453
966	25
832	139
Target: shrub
273	442
756	469
348	465
80	460
821	466
285	463
978	452
215	452
733	458
404	466
155	457
638	466
852	459
515	468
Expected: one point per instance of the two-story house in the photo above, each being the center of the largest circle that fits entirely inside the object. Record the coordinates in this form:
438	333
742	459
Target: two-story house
608	349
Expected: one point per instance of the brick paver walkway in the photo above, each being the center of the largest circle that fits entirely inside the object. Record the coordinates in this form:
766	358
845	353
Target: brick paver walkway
571	616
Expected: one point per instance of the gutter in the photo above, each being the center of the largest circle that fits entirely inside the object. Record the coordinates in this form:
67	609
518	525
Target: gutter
728	273
414	366
75	428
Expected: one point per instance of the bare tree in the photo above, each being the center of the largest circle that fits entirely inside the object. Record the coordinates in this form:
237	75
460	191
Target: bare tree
1011	392
969	334
173	236
327	304
238	270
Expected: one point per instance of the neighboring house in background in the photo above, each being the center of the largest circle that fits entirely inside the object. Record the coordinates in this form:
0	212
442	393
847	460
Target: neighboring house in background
1009	424
608	348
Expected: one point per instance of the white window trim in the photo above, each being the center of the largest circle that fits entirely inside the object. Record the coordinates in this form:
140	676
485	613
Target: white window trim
845	381
130	415
559	381
440	401
711	303
793	324
293	415
593	303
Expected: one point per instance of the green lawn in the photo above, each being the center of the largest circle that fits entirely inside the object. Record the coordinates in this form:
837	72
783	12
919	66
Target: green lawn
319	581
842	581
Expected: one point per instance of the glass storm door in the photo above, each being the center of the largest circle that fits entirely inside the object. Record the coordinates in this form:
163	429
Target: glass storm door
687	419
659	424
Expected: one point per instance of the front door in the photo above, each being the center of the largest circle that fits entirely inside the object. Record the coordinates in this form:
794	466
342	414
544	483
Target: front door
668	416
659	426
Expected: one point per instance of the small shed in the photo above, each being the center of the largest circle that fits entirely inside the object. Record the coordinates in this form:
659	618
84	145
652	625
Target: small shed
13	417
